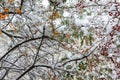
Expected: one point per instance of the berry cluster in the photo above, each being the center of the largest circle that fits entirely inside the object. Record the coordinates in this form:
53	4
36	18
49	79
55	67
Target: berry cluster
114	9
80	5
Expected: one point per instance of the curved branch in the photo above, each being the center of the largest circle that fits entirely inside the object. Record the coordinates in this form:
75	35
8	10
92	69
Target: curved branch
32	39
77	59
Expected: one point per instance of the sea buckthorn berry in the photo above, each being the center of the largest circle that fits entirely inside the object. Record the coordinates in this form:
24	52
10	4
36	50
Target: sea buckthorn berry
80	5
10	0
18	11
6	9
110	13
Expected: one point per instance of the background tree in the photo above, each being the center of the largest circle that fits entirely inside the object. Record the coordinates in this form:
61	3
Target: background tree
60	39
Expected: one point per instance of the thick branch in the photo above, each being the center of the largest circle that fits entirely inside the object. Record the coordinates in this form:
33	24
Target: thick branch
32	39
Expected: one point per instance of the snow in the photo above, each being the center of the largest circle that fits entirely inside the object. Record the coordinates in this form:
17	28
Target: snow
99	21
85	30
45	4
118	59
66	14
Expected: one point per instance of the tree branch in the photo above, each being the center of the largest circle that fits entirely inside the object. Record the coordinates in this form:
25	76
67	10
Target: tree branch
32	39
9	35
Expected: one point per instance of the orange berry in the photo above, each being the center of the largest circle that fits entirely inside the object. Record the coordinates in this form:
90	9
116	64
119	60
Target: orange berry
0	14
56	14
19	11
3	16
56	33
67	35
0	32
6	9
10	0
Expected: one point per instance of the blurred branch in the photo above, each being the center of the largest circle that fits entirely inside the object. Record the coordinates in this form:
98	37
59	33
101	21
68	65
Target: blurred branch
21	4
